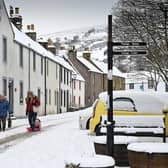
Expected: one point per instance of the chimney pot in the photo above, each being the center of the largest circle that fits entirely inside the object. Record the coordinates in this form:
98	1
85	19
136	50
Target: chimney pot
17	11
11	11
32	27
28	27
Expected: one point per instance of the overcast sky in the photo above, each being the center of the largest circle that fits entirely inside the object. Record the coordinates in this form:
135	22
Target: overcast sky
51	16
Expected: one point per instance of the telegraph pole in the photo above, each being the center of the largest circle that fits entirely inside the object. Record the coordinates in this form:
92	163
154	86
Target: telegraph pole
110	122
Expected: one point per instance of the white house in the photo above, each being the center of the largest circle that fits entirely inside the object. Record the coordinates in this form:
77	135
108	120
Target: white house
27	65
78	92
7	57
144	81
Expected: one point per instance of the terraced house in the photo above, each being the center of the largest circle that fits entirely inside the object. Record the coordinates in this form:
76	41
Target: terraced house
27	65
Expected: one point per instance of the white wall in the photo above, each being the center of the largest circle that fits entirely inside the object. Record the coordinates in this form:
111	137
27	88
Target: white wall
77	92
52	85
65	87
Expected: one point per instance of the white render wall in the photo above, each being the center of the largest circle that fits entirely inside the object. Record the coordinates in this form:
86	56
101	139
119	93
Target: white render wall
52	85
79	93
64	86
139	78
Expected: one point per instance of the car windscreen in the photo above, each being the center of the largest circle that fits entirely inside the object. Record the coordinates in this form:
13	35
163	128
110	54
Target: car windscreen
123	104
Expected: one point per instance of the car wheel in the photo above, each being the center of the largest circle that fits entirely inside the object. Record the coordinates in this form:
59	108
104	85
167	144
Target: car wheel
97	129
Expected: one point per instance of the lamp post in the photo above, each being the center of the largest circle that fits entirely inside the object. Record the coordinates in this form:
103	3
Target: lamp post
110	122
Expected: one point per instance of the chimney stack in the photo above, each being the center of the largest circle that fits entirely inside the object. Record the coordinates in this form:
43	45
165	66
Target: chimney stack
16	19
16	11
43	42
11	11
86	54
30	32
51	46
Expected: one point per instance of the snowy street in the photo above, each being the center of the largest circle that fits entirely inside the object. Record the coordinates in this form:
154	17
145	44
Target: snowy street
59	139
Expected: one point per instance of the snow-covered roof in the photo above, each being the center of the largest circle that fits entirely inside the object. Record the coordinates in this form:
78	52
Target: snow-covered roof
103	67
79	77
89	65
25	40
145	102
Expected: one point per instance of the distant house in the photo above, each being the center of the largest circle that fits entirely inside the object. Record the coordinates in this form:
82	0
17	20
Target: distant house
144	81
92	75
27	65
118	76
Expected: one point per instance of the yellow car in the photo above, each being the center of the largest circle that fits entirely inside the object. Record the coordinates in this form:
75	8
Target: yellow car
130	103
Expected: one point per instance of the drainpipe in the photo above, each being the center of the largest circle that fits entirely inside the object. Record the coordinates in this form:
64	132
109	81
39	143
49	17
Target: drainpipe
45	89
29	69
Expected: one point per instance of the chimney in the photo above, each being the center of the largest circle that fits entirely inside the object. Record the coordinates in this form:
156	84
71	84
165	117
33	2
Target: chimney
11	11
43	42
86	54
30	32
72	53
16	11
16	19
51	46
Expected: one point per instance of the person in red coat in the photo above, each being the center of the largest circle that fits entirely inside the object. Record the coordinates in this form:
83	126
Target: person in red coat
29	109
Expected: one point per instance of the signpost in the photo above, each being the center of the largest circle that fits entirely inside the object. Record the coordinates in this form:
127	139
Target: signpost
111	53
110	134
129	52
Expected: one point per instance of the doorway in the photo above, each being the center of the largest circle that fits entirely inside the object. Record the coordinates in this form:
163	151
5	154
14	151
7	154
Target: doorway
11	93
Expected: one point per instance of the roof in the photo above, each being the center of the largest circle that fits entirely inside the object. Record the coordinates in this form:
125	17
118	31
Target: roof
104	68
25	40
89	65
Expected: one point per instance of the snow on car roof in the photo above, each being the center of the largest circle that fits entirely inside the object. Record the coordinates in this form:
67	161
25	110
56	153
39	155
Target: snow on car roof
145	102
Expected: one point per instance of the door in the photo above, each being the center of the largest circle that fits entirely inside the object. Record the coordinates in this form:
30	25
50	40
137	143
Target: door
11	93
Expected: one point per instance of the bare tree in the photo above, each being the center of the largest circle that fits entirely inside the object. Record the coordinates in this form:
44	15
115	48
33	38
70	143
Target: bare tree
145	20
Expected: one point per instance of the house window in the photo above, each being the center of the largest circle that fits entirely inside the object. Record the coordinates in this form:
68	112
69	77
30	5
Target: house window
46	96
79	85
67	78
4	84
4	42
61	96
38	93
131	86
74	84
150	83
74	100
56	71
64	98
21	92
79	100
34	61
41	66
61	73
21	56
49	96
64	76
47	68
55	97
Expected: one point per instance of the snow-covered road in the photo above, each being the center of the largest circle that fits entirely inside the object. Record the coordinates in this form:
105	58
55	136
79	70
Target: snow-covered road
59	139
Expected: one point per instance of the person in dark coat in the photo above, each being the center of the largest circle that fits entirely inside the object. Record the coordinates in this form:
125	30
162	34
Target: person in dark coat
29	109
4	112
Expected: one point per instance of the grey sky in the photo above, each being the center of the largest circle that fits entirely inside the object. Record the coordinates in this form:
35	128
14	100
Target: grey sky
51	16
